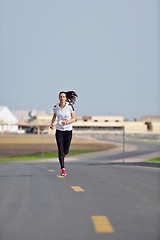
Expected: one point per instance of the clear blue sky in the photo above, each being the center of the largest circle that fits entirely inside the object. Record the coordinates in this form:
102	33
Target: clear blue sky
108	51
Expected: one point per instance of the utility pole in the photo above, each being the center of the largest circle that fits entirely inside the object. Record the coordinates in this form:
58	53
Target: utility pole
42	146
123	143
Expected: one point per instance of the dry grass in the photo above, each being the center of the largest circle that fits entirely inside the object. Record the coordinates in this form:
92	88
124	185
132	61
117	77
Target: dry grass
37	139
25	145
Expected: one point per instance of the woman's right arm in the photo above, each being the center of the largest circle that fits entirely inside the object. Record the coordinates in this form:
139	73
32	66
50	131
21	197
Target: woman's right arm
53	120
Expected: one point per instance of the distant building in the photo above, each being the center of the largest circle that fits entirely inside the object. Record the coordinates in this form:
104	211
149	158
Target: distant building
21	115
27	115
102	123
111	124
8	120
108	123
151	118
152	122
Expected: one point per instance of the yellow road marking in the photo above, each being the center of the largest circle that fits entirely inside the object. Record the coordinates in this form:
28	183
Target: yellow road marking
50	170
102	224
59	176
77	189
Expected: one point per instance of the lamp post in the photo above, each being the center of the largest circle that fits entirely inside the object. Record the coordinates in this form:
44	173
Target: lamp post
42	146
123	142
2	123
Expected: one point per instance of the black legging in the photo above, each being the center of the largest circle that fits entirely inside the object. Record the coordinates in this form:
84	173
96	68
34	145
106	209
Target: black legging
63	142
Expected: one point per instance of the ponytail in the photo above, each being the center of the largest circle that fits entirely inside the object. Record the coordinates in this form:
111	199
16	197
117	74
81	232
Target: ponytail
71	96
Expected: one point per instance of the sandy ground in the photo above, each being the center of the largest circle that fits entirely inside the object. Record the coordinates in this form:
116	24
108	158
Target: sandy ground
22	145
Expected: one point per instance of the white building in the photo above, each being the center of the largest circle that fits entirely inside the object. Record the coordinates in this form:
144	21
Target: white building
8	119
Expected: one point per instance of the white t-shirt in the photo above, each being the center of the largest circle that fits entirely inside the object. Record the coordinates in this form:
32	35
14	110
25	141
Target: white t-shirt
63	115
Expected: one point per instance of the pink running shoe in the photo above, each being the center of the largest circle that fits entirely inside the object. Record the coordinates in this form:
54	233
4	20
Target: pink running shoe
63	173
64	155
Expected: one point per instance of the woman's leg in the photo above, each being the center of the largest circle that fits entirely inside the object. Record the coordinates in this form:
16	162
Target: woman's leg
60	140
67	141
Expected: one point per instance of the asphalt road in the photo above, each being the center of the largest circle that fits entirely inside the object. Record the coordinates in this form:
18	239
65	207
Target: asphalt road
35	204
140	149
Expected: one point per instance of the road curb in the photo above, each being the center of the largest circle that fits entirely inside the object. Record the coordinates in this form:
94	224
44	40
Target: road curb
143	164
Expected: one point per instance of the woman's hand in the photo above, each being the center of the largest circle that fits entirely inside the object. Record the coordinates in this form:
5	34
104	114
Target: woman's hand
64	123
51	126
73	119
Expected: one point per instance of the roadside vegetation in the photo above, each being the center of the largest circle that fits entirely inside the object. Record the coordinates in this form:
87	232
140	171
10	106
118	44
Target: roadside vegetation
154	160
46	156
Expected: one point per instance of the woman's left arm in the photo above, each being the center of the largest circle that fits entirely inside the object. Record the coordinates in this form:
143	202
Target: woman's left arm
73	119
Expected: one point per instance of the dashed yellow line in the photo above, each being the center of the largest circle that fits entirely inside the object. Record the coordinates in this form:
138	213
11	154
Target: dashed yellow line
77	189
102	224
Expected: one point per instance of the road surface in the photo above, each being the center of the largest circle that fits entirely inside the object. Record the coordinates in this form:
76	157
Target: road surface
93	202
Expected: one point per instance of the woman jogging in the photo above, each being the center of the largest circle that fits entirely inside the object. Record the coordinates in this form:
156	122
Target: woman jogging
65	114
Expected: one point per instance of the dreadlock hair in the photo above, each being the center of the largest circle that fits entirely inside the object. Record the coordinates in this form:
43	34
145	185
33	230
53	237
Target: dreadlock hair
71	96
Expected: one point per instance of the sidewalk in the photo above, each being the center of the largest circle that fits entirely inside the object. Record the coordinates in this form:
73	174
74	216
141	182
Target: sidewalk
138	160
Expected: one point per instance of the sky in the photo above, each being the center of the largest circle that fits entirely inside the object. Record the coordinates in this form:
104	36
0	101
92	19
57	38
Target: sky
107	51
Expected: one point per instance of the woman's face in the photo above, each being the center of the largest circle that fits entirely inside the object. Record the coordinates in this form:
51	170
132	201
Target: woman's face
62	98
